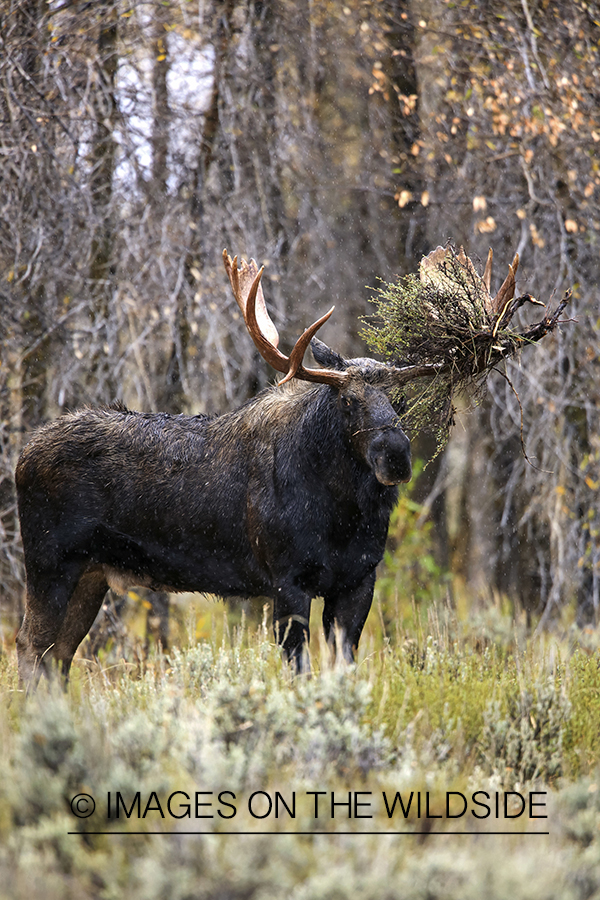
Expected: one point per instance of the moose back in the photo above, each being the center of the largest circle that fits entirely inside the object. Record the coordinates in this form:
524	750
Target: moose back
288	497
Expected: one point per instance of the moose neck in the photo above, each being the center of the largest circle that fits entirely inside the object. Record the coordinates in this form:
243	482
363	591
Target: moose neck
313	434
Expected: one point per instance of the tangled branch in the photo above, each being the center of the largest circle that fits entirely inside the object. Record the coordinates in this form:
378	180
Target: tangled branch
447	318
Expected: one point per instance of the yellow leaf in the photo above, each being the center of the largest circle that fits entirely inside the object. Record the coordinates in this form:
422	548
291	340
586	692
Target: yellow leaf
486	226
403	197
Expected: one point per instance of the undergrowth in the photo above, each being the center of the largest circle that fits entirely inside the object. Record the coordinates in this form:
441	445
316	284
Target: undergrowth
436	712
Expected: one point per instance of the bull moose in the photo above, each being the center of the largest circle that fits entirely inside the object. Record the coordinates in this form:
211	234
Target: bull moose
288	497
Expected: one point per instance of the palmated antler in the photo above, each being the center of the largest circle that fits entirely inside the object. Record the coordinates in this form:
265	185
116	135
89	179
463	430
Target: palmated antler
433	269
247	290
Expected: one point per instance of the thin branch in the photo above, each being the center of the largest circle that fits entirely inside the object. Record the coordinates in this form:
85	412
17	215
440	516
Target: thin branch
523	450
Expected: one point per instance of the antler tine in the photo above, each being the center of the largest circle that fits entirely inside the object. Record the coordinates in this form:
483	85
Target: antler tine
297	354
487	275
507	288
267	348
245	284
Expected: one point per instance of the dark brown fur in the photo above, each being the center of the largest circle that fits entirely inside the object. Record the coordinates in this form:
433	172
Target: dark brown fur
288	497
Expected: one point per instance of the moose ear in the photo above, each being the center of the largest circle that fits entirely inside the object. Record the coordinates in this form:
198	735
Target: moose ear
327	357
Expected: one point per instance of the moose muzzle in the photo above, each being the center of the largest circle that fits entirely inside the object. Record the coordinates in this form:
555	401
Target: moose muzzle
389	456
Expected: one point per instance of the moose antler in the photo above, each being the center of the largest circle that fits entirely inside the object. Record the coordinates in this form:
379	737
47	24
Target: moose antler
433	270
507	288
247	290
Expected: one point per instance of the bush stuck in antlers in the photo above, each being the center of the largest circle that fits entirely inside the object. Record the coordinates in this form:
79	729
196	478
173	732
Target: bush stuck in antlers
447	319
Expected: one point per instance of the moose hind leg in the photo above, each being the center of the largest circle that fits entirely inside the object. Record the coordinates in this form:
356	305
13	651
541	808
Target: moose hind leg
83	608
45	610
345	614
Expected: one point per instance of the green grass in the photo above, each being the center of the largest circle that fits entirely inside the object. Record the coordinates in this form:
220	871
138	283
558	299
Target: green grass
439	705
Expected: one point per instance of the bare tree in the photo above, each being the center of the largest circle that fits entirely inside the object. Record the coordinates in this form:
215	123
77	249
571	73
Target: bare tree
337	143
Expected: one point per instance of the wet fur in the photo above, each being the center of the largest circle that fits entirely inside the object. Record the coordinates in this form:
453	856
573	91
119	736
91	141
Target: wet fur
276	499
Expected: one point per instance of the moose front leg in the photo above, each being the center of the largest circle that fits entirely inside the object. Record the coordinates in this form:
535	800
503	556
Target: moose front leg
344	616
291	614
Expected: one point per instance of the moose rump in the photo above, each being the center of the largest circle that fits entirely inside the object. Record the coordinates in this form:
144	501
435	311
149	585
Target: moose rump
288	497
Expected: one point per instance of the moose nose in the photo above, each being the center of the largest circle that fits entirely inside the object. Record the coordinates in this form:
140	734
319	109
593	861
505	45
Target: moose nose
390	457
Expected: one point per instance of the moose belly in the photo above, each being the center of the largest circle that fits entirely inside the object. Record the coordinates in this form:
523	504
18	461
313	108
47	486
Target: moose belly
175	567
